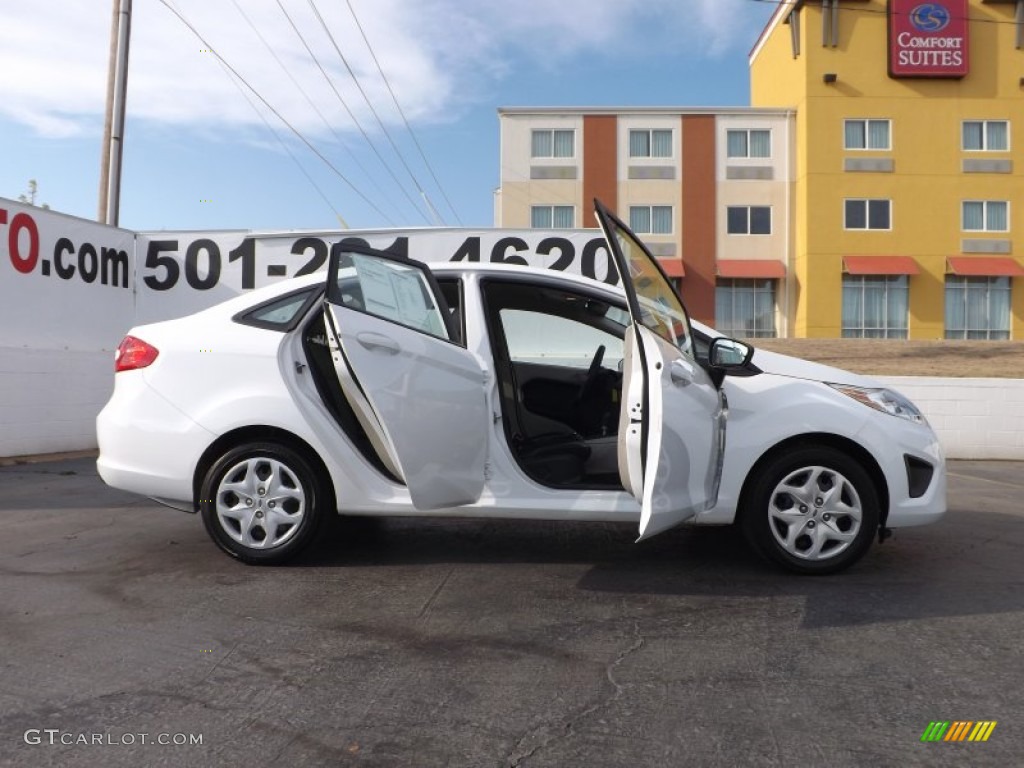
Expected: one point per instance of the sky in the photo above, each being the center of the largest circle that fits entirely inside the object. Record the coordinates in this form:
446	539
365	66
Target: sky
277	115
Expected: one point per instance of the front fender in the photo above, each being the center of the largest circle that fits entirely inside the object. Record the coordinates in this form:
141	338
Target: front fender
767	410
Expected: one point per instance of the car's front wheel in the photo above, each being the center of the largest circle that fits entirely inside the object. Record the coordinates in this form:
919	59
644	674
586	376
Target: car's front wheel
812	510
262	503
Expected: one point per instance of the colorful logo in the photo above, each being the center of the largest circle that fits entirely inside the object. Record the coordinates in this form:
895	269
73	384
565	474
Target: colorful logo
930	17
958	730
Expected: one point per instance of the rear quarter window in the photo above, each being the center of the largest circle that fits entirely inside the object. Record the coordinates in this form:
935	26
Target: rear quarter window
281	313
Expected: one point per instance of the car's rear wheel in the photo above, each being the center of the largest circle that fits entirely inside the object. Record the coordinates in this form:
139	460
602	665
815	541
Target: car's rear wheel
262	503
812	510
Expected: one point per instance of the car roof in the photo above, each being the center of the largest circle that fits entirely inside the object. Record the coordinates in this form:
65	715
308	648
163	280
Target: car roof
439	268
251	298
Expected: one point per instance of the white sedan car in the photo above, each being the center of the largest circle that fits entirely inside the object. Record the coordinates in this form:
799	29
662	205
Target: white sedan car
387	387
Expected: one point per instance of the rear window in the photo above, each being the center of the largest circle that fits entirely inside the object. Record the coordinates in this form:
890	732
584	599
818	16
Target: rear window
280	314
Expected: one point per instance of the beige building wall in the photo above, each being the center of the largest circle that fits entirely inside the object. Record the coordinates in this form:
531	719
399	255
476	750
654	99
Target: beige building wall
754	181
651	180
527	181
698	181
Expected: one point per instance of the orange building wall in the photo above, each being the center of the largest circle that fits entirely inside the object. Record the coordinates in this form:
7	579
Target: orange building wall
698	215
599	164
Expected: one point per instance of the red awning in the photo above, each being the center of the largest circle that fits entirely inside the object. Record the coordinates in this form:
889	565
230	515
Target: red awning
880	265
751	268
673	267
984	266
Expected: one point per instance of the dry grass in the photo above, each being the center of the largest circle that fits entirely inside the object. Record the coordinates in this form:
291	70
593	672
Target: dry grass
996	359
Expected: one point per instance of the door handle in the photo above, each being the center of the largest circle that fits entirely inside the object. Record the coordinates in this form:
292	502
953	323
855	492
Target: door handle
377	341
680	373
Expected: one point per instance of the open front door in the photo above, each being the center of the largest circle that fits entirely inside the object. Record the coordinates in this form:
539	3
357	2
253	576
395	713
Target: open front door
672	422
418	395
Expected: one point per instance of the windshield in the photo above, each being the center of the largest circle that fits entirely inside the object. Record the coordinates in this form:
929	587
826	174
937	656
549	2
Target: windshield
660	308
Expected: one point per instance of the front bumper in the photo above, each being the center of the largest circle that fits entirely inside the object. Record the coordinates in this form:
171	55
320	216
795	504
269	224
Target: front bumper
903	450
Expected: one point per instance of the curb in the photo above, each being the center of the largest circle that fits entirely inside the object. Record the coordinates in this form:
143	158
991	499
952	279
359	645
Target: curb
39	458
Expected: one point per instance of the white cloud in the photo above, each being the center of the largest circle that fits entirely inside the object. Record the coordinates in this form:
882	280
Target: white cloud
440	55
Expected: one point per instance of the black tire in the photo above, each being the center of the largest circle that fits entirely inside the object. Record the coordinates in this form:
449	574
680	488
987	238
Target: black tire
825	489
257	527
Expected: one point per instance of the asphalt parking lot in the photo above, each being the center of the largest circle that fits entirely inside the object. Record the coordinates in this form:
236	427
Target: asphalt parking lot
476	643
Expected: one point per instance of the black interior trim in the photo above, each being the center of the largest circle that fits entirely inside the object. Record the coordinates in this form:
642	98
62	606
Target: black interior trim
458	309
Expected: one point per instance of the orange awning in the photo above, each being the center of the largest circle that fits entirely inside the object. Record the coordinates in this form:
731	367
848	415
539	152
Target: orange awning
880	265
984	266
673	267
751	268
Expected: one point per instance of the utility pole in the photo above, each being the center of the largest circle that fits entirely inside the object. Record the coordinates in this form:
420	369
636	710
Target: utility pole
113	127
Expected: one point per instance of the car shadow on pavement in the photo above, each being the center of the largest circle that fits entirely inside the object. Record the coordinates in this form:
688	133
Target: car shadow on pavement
966	565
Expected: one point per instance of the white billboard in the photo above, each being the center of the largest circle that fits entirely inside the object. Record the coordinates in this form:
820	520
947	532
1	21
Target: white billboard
182	272
65	283
70	283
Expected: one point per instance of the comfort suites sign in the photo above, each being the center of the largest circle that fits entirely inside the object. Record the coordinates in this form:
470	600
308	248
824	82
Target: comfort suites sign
928	39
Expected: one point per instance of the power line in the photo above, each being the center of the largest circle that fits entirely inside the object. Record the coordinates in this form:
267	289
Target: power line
348	110
284	144
313	105
369	104
402	113
277	114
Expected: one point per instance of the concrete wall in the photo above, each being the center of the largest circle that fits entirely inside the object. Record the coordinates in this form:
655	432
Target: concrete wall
49	399
974	418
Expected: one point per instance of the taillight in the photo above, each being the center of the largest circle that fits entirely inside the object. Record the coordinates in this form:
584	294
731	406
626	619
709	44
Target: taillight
134	353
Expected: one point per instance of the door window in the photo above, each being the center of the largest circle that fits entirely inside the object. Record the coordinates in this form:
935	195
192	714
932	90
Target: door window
659	307
536	337
389	289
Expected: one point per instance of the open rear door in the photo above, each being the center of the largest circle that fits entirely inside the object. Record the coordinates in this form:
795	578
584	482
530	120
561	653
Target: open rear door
418	395
672	422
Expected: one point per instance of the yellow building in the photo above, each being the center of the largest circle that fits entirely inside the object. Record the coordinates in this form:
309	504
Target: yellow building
908	193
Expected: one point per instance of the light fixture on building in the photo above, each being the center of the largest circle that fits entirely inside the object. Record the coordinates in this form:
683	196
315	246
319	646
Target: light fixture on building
830	77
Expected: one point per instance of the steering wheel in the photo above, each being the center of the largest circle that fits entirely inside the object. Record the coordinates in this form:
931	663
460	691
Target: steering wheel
591	378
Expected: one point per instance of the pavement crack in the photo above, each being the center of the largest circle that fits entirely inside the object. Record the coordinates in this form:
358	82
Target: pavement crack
89	528
429	602
220	661
545	735
638	643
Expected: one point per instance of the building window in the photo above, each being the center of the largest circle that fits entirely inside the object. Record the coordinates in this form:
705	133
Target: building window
868	214
553	144
875	306
867	134
748	143
650	143
651	219
977	307
749	220
986	216
986	135
745	308
552	216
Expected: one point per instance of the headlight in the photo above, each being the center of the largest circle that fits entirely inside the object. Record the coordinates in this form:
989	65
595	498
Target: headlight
884	400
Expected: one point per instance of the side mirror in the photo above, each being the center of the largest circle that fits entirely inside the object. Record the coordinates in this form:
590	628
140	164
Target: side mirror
729	355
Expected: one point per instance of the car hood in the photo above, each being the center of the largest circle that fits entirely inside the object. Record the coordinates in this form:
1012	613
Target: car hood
795	368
